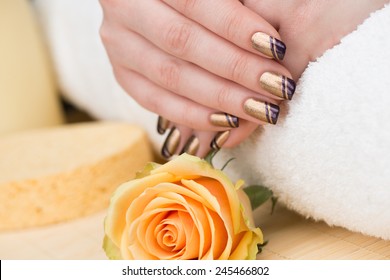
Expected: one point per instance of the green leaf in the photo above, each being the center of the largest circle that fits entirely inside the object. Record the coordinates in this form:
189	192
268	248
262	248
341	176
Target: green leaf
209	157
261	246
258	195
146	171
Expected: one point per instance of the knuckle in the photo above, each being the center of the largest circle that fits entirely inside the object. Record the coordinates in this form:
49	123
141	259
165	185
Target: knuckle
168	74
188	5
108	5
239	67
104	3
223	96
177	38
148	103
189	118
105	33
119	76
231	25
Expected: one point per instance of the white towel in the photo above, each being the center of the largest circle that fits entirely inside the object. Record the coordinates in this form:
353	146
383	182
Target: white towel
328	158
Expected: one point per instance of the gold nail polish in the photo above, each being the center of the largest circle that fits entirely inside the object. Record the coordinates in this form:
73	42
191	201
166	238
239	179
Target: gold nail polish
219	140
171	143
224	120
162	125
192	146
263	111
268	45
278	85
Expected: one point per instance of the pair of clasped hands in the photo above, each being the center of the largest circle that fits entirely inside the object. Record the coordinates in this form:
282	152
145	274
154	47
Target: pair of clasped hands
214	70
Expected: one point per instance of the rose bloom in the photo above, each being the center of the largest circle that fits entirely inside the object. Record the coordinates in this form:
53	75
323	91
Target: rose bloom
184	209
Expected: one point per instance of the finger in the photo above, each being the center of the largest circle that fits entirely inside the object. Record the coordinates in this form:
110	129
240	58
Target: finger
234	22
162	125
175	140
223	139
189	41
175	108
193	82
232	138
237	136
181	139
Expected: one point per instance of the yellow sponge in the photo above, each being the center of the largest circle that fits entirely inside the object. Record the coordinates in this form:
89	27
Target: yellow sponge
57	174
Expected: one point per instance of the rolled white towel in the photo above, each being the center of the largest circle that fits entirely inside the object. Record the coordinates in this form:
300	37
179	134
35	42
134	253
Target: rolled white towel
328	158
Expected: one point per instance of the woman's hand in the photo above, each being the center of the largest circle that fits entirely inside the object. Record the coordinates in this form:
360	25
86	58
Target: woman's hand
206	66
309	28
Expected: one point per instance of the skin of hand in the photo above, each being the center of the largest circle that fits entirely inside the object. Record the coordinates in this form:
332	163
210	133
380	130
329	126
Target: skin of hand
310	27
209	67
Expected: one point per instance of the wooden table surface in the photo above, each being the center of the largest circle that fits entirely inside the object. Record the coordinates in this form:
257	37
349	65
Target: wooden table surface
289	237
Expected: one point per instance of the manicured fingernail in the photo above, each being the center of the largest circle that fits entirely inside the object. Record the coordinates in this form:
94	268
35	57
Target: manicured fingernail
171	143
219	140
162	125
278	85
224	120
263	111
192	146
268	45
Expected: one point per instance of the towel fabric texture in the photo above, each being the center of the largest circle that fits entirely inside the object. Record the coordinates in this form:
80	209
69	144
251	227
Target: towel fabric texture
328	158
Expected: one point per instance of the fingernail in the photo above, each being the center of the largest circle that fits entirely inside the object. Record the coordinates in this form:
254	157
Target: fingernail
263	111
162	125
192	146
278	85
219	140
224	120
268	45
171	143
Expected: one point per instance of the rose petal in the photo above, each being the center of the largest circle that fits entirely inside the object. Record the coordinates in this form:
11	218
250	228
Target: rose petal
139	253
214	193
247	246
193	207
149	241
144	201
199	218
247	211
190	250
222	241
170	232
116	215
185	166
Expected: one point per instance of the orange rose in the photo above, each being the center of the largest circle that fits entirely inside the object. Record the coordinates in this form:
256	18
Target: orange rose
184	209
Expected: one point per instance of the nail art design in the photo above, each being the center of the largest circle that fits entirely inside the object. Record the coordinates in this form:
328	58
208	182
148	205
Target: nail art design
268	45
219	140
171	143
192	146
162	125
278	85
224	120
263	111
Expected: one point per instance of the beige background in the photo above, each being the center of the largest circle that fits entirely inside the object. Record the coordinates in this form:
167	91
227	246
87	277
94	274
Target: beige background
24	58
28	92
